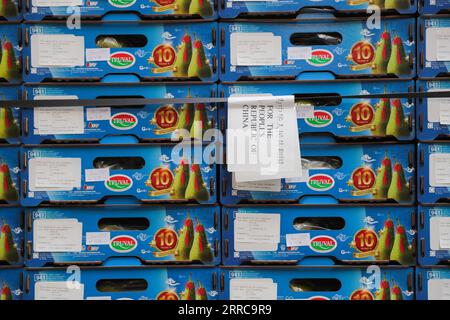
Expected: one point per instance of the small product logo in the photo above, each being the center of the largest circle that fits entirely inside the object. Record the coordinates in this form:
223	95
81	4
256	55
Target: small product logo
121	60
361	294
320	58
122	3
123	121
320	182
119	183
123	244
321	119
323	244
167	295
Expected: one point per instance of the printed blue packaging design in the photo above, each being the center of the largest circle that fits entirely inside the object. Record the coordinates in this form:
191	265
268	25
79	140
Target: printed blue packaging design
318	235
433	172
144	122
433	6
138	283
11	236
434	244
432	283
233	9
433	58
326	283
9	174
291	49
341	117
151	234
339	172
94	174
11	10
144	8
431	117
10	53
11	279
146	50
9	117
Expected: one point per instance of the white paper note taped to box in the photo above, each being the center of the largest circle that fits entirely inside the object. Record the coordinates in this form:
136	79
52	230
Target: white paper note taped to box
98	54
57	235
95	175
265	185
437	44
98	114
58	290
299	53
298	239
255	49
434	106
439	289
57	3
439	170
257	227
440	233
98	238
54	174
444	111
57	50
253	289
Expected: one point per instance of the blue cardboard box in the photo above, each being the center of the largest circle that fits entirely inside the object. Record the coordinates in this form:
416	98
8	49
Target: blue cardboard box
10	117
11	52
432	283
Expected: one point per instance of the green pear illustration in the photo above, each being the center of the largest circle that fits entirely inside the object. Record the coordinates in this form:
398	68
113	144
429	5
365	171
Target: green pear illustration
401	251
8	250
398	190
398	62
382	53
184	56
397	125
396	293
201	122
180	181
199	65
186	117
201	7
182	6
397	4
9	66
200	251
8	125
189	290
382	113
200	293
379	3
7	190
196	189
8	8
185	240
386	241
6	293
384	292
383	179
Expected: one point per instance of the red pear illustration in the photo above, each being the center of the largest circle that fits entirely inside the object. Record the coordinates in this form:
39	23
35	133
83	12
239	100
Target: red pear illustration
6	293
8	250
7	190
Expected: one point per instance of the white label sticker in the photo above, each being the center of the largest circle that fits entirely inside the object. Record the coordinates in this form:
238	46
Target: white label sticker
58	290
298	239
58	120
62	50
98	238
443	44
98	114
444	232
434	106
54	173
265	185
94	175
299	53
253	289
439	289
57	3
304	177
257	228
255	49
98	54
57	235
304	110
444	111
439	169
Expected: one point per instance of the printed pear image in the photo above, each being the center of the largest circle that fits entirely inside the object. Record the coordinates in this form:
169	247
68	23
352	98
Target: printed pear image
186	117
7	190
379	3
8	8
200	293
184	56
383	180
201	122
384	292
200	251
401	251
382	53
6	293
398	62
182	6
386	241
8	125
9	66
196	189
8	250
396	293
199	66
180	181
185	240
382	113
398	190
397	4
189	290
201	7
397	125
